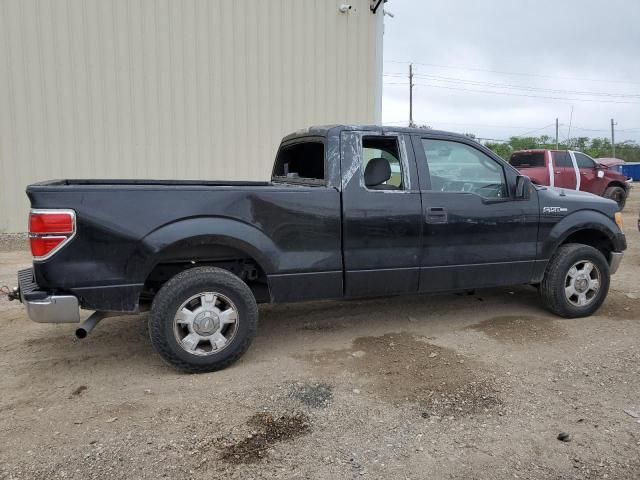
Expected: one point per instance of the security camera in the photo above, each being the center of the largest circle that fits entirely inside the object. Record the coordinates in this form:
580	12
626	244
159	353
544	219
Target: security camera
345	7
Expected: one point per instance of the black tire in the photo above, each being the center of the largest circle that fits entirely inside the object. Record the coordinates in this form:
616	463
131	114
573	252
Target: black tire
181	288
552	288
617	194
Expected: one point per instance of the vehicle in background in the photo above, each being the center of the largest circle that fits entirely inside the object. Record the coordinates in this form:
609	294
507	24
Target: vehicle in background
575	171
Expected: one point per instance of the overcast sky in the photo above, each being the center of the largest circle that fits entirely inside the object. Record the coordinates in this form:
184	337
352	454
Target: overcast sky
559	48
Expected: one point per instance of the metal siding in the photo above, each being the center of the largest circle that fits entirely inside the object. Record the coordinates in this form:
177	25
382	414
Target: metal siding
196	89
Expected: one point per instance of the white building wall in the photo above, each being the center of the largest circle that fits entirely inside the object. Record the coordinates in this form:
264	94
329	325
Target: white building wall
186	89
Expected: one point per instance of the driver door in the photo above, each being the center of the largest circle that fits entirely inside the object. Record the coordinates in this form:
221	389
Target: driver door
591	178
476	234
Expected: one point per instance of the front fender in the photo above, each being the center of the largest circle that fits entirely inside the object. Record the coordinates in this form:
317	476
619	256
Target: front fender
581	220
215	230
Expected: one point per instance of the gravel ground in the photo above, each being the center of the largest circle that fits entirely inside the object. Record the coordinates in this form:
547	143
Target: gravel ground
452	386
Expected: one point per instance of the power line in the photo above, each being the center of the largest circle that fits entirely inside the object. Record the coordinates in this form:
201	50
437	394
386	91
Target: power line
586	129
517	94
491	139
502	72
517	127
563	126
536	130
439	78
603	129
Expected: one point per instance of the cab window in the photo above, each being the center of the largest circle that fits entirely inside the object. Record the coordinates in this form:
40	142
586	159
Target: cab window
300	162
459	168
527	159
584	161
381	163
562	159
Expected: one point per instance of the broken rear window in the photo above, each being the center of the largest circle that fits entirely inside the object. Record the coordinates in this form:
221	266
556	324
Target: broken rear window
301	162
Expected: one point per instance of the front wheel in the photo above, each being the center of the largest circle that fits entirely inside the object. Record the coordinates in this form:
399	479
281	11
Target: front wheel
203	320
576	281
617	194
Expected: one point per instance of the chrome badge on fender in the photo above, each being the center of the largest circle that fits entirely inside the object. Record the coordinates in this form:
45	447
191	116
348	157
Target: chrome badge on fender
554	209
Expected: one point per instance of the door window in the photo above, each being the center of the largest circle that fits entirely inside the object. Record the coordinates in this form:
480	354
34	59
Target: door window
583	161
381	165
457	167
562	159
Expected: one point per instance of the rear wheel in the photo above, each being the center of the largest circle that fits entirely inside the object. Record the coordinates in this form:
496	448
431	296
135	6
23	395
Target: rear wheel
576	281
203	319
617	194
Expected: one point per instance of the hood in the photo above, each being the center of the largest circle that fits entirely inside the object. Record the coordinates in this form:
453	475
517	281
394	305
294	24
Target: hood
609	162
574	200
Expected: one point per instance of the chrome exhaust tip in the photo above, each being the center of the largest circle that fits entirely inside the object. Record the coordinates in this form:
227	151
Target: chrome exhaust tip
89	324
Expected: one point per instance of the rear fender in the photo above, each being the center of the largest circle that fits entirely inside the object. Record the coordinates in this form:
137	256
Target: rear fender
213	231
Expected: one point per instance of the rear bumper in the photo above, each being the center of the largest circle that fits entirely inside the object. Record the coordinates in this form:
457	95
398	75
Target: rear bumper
44	308
614	262
54	309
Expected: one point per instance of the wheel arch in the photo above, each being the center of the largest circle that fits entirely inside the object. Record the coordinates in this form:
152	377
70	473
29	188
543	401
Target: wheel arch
592	237
588	227
229	244
616	183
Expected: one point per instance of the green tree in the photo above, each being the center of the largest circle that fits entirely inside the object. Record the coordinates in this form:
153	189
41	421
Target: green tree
628	150
502	149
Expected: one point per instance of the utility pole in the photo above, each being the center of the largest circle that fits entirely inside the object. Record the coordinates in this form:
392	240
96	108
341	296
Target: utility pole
569	132
411	124
557	144
613	139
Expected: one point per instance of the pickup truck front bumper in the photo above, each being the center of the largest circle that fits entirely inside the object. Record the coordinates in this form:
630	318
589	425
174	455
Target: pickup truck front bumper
45	308
614	262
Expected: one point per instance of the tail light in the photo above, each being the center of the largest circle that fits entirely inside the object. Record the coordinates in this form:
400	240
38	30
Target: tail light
49	231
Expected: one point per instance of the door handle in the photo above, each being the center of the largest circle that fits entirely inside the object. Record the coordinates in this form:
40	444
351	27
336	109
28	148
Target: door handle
557	171
436	215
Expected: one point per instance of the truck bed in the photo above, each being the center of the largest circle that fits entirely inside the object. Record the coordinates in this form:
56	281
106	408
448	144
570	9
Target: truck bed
124	182
127	228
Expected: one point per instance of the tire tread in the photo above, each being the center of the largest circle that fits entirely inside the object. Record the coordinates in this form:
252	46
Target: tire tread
554	297
608	193
167	295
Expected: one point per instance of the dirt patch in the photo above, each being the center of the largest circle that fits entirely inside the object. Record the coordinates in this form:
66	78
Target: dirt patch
321	325
621	305
400	368
78	391
267	431
177	425
519	329
318	395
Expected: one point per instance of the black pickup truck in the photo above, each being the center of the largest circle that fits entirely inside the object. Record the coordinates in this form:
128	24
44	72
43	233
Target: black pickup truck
350	211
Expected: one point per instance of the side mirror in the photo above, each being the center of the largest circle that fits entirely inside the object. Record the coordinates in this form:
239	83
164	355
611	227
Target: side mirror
523	187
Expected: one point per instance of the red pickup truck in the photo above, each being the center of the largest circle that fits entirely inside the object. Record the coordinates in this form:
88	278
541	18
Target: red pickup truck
572	170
